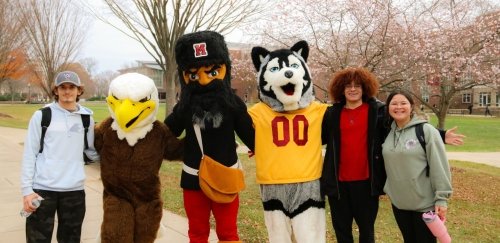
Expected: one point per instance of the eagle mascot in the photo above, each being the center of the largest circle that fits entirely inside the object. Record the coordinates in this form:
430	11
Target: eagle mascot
132	145
288	145
208	102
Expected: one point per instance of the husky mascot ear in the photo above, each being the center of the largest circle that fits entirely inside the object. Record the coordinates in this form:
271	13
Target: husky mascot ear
283	77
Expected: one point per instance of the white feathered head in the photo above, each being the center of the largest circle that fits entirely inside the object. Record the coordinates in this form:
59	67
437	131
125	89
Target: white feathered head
133	103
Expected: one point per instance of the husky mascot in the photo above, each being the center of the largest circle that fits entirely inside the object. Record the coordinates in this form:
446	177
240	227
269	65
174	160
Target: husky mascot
288	157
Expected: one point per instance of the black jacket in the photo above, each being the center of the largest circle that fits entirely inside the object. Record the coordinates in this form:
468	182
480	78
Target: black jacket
377	131
218	143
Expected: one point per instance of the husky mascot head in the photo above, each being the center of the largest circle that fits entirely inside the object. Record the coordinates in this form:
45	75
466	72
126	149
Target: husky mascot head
283	77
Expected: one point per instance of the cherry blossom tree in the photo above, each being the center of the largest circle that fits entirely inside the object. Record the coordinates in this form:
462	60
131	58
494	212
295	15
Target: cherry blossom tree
426	46
243	75
454	48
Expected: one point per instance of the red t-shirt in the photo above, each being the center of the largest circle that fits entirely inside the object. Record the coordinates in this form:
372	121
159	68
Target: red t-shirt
353	144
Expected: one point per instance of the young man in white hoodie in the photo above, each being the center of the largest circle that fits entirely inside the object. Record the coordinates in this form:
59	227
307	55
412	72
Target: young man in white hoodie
56	172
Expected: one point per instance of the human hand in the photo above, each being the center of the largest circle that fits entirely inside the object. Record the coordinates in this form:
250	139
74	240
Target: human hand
453	138
441	212
28	202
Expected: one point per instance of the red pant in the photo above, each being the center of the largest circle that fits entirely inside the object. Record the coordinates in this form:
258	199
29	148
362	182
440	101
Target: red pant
198	207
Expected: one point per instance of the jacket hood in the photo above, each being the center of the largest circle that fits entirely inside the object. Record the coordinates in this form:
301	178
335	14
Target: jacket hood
414	121
80	109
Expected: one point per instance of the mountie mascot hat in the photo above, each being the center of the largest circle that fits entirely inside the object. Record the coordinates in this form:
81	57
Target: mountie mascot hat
202	48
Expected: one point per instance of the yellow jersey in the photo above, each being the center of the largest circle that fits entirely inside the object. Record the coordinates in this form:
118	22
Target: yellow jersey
287	144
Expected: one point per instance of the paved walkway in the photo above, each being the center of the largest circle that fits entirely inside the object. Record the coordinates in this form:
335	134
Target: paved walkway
12	226
491	158
488	158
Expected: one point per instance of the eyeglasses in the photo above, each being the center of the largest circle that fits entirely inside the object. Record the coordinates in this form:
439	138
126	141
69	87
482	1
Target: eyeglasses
351	86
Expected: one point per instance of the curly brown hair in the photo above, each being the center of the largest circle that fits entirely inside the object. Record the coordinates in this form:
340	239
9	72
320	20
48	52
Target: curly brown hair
358	75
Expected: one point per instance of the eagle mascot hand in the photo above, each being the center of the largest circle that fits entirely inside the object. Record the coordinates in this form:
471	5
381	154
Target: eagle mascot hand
288	144
132	145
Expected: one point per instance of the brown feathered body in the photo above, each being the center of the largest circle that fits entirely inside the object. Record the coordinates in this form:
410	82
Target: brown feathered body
130	175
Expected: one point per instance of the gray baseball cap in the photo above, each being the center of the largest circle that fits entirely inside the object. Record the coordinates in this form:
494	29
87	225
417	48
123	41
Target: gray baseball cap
67	77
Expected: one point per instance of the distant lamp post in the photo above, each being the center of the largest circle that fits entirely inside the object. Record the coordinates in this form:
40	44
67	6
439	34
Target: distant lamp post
29	93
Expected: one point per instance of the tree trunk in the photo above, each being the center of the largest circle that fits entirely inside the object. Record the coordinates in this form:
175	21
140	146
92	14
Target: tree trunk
442	118
170	81
443	110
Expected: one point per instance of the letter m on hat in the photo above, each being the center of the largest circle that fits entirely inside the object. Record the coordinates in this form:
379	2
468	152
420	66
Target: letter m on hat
200	49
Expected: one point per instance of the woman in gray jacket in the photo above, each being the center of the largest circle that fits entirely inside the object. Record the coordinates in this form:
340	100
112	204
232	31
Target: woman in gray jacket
411	189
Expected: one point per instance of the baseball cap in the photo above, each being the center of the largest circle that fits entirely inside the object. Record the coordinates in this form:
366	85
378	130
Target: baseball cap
67	77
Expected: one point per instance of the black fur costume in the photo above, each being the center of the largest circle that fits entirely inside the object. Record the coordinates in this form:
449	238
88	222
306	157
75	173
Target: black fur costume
219	113
215	107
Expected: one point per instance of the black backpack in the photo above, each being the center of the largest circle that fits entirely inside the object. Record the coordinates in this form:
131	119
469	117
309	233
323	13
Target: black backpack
47	116
419	131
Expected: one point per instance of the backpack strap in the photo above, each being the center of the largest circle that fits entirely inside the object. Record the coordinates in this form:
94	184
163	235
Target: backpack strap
46	117
419	131
86	124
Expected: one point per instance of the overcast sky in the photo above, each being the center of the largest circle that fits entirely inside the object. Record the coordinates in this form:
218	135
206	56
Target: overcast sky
113	50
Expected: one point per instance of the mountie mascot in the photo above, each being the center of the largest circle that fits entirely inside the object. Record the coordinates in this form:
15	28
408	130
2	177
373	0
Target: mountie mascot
132	145
207	100
288	143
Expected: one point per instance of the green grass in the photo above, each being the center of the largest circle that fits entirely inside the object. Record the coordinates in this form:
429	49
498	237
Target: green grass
20	114
473	215
482	133
474	210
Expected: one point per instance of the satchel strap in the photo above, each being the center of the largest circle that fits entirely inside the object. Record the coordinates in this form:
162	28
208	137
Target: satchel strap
197	131
193	171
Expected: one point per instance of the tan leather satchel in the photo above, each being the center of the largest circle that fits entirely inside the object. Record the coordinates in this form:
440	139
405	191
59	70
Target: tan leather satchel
219	183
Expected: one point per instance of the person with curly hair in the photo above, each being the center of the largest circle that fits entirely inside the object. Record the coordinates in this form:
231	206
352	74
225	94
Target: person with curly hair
353	175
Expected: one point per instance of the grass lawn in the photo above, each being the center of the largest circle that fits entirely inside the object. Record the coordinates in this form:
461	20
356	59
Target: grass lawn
482	133
474	210
473	215
18	115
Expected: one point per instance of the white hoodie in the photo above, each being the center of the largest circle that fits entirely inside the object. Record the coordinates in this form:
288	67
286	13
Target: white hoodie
60	167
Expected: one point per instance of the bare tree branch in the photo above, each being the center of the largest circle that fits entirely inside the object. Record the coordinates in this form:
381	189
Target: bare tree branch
157	25
55	30
11	39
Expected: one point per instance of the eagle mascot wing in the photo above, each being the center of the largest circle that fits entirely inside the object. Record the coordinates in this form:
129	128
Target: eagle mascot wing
132	145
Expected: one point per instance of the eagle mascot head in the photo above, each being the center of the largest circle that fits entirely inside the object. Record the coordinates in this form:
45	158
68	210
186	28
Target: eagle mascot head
204	71
133	103
283	77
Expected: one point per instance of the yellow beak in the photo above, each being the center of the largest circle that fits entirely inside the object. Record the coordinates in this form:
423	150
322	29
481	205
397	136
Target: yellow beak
129	113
